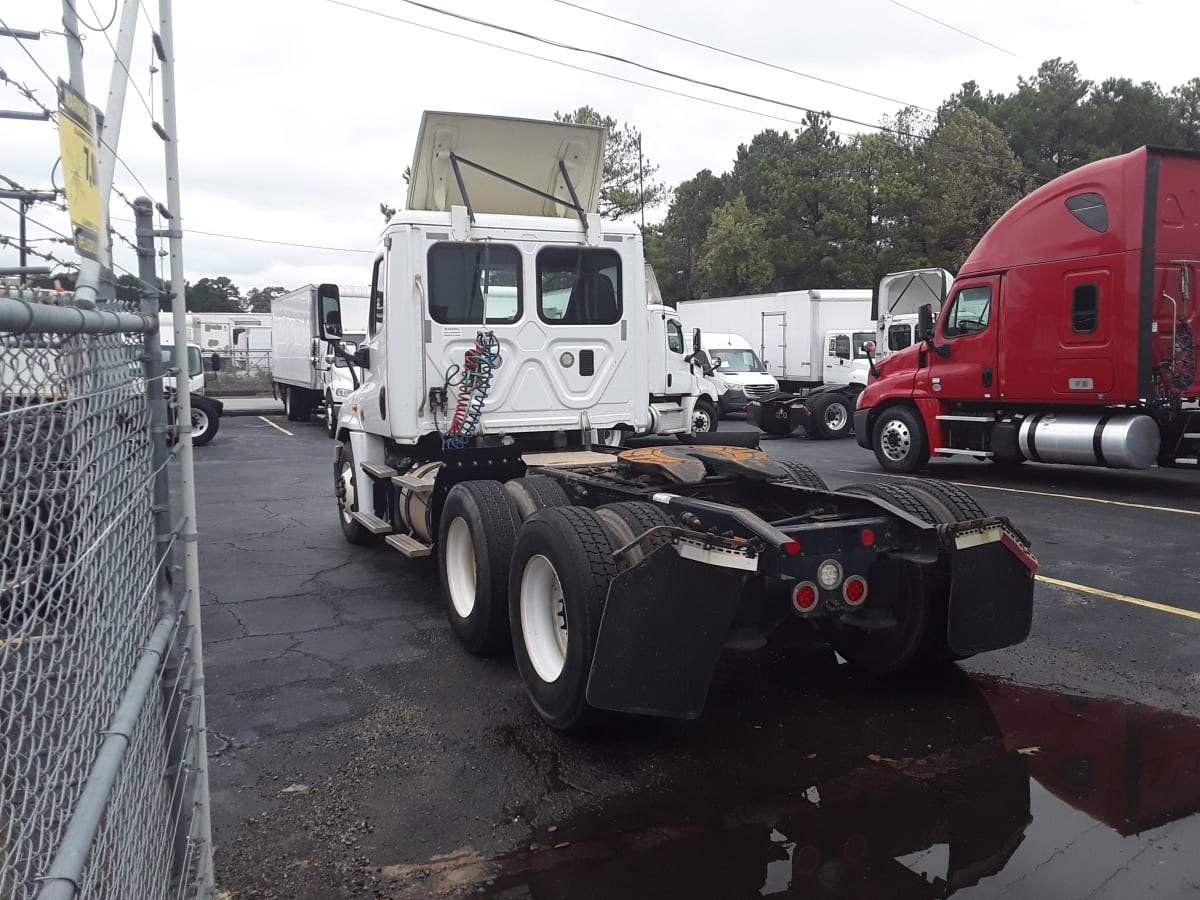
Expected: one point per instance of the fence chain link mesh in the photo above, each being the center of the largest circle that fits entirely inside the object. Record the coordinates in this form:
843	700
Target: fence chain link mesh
83	602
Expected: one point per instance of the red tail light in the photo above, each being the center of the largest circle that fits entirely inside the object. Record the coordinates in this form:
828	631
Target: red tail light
791	548
805	597
867	537
854	591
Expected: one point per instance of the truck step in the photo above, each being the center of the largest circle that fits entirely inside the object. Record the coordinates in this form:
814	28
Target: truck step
1187	461
372	523
378	470
412	484
966	419
978	454
409	545
1192	436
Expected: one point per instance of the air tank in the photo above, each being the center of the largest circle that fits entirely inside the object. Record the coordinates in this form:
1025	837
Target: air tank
1122	440
415	509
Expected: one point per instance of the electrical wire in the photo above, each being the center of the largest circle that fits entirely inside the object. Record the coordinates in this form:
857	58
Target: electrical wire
974	37
926	139
21	44
120	62
742	56
90	27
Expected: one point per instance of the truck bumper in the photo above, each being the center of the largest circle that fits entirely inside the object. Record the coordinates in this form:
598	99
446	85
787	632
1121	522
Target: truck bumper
861	433
732	401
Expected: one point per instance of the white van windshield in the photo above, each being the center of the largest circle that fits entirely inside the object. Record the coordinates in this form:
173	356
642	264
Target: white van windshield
737	360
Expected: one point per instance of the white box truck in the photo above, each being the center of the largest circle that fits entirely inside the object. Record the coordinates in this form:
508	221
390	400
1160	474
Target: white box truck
306	373
812	342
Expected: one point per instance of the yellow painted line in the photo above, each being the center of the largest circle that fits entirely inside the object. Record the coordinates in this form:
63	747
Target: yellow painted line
1124	598
276	427
991	487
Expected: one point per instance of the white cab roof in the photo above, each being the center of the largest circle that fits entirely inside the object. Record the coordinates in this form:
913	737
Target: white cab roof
526	150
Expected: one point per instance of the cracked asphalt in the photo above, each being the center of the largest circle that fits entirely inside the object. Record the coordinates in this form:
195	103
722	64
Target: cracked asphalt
358	751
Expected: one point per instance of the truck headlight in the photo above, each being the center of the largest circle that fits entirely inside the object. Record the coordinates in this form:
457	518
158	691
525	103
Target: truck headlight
858	400
341	393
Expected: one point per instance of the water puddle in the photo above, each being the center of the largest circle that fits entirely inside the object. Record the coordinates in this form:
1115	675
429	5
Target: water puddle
978	789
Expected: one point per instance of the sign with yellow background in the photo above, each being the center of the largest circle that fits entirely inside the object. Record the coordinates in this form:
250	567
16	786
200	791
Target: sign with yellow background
76	137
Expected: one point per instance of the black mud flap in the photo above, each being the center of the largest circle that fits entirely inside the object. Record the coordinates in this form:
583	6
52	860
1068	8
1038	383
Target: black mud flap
779	414
661	634
991	598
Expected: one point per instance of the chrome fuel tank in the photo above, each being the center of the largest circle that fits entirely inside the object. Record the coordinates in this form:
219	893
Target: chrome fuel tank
1116	440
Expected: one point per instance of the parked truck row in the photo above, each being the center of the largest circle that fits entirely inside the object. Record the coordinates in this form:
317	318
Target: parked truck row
507	340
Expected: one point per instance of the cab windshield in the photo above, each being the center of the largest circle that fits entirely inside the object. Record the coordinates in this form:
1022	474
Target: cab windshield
738	360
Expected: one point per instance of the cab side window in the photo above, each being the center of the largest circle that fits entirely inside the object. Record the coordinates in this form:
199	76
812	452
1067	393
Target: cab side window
674	336
376	308
840	346
969	312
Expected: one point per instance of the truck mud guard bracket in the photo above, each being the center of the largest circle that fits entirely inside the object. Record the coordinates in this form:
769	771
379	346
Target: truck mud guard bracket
991	587
661	634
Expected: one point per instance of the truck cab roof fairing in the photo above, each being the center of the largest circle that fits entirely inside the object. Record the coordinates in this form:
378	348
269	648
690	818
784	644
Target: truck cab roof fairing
525	150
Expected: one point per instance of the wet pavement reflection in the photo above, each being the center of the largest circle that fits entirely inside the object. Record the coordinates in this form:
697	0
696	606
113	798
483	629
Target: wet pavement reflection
971	787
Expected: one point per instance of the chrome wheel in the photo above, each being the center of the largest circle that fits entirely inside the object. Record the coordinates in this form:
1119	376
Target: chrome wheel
837	417
895	440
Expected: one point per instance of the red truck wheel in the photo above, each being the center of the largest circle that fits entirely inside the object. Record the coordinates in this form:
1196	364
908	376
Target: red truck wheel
899	440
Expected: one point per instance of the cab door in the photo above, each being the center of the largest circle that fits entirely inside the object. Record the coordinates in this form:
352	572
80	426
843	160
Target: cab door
968	331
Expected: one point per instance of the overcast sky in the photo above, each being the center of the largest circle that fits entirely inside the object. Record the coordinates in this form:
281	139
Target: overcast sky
297	118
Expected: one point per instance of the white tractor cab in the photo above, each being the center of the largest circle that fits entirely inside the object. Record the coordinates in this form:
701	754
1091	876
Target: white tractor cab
206	412
738	373
511	336
895	303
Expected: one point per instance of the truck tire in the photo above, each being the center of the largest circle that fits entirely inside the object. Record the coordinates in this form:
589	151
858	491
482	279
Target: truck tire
704	416
949	502
331	416
915	594
800	474
345	490
205	421
293	405
899	440
630	520
534	492
831	416
476	532
561	568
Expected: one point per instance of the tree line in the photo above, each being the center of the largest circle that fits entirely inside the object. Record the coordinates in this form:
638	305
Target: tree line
813	208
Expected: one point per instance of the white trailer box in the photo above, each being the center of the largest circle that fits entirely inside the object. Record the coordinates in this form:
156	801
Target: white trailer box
304	369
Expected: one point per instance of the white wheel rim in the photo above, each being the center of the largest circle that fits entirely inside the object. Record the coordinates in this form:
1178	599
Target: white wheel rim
543	618
701	421
460	567
836	416
199	422
347	479
895	440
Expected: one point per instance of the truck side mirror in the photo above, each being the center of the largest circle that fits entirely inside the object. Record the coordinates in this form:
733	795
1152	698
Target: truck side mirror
329	309
869	349
924	323
695	340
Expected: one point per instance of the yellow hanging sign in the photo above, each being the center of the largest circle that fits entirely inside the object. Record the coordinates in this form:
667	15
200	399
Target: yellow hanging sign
77	138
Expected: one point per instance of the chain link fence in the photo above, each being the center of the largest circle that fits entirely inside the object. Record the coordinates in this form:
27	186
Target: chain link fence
101	720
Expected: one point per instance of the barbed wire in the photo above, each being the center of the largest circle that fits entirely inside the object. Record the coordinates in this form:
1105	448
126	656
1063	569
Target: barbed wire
15	243
27	92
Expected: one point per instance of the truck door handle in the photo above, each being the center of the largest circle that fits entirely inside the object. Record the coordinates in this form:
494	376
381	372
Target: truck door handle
987	377
668	379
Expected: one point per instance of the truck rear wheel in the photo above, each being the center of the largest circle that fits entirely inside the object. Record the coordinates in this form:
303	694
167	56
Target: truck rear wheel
293	405
630	520
475	543
562	566
800	474
899	440
345	489
914	594
534	492
830	416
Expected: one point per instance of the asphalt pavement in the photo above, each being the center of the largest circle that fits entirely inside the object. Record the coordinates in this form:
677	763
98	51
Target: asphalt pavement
359	751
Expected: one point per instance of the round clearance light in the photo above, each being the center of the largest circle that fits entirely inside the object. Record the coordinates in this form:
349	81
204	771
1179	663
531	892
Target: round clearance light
804	597
867	537
829	574
855	590
567	359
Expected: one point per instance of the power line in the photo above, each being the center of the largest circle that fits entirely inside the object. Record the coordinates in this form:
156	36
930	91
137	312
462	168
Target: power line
974	37
241	237
20	44
90	27
674	93
117	58
742	56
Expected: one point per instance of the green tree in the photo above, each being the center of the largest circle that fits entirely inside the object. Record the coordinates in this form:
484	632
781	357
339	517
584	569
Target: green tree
129	290
734	259
628	184
1046	120
1124	116
213	295
258	300
674	249
387	211
973	177
1185	104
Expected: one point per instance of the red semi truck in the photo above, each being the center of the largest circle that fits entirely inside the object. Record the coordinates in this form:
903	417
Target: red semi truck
1067	336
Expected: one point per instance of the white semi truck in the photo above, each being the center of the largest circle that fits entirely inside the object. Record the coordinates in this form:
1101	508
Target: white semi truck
508	335
305	372
206	411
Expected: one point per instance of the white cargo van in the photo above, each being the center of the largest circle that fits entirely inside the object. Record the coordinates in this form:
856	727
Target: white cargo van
737	371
